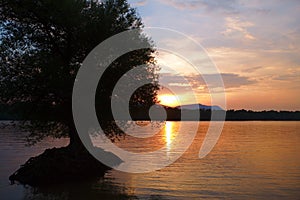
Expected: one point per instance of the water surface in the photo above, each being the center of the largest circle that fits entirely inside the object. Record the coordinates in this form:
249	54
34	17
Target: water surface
252	160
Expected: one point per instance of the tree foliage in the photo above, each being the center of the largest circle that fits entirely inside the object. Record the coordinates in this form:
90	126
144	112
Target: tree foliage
43	44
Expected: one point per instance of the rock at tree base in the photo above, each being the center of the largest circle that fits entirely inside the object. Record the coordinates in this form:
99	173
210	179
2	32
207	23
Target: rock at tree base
59	165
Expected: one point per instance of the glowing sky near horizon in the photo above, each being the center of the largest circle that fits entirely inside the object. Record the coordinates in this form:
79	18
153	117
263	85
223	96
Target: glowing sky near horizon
255	45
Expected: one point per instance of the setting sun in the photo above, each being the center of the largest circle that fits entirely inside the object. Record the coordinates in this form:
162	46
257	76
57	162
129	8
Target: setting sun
168	100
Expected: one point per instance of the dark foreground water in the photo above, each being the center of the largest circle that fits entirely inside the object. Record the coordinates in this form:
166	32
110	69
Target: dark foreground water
252	160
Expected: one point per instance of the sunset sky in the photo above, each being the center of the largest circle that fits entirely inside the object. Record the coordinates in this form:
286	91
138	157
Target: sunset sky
255	45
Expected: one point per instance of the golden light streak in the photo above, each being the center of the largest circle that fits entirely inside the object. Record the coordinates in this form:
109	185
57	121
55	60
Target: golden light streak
168	134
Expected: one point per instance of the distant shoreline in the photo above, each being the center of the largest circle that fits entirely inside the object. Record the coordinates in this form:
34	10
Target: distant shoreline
174	114
28	112
237	120
12	120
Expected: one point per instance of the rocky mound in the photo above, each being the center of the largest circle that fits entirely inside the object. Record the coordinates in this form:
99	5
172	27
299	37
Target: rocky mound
58	165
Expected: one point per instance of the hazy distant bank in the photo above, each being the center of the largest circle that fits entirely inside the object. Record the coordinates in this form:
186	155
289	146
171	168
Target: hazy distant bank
230	115
21	112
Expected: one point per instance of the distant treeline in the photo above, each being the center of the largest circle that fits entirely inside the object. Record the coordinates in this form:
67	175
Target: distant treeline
174	114
235	115
24	111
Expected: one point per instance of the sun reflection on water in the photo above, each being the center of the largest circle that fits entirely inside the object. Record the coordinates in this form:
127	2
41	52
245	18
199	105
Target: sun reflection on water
169	136
168	133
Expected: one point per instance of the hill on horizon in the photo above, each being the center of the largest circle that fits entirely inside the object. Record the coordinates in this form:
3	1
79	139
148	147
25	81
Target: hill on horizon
198	106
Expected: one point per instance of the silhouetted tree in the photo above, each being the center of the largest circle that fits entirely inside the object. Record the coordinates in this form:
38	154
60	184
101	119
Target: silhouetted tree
42	46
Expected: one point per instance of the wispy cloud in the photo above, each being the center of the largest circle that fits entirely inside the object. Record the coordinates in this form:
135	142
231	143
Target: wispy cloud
139	3
197	82
291	77
235	26
228	6
252	69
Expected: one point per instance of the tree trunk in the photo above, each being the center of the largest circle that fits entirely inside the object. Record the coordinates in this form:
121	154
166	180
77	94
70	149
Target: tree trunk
76	144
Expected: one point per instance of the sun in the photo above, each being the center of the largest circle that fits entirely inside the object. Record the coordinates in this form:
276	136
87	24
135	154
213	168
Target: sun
168	100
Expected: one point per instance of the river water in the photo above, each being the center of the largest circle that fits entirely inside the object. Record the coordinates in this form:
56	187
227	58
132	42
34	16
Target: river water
252	160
